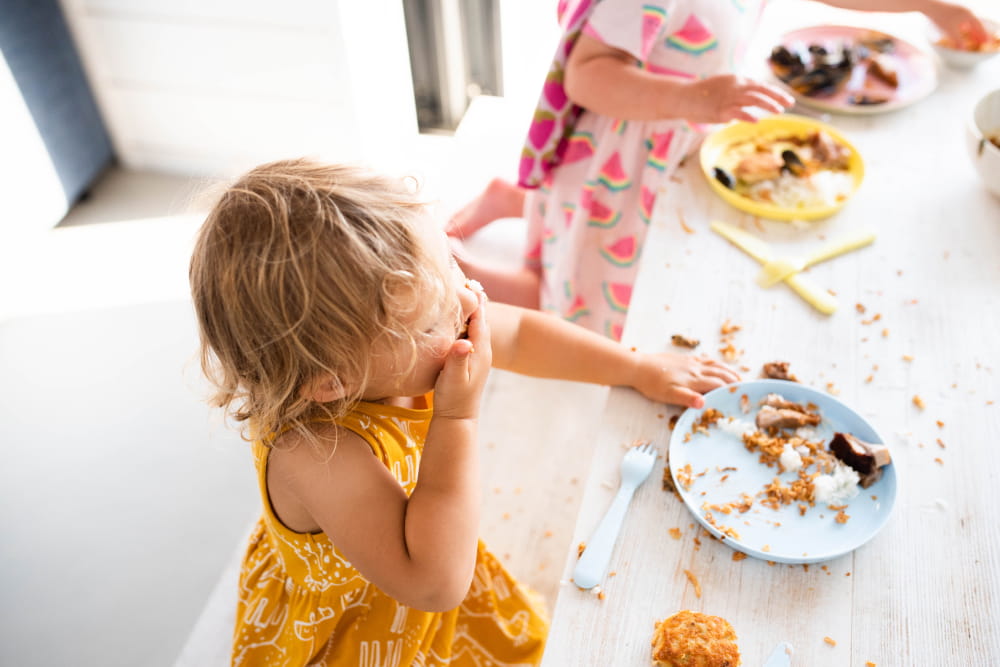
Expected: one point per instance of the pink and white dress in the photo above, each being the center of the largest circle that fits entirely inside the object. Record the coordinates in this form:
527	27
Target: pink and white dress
595	179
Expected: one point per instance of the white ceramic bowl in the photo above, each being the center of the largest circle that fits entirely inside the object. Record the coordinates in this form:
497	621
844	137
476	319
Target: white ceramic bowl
961	58
985	123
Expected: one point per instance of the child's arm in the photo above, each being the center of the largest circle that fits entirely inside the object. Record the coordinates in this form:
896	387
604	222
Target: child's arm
542	345
956	21
421	549
607	81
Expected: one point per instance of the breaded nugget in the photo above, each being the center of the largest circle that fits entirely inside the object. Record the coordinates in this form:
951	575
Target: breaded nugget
693	639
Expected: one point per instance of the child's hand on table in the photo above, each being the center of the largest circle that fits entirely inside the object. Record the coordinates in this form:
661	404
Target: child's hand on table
680	379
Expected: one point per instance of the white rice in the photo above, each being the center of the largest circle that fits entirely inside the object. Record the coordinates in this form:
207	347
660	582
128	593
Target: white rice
824	188
735	427
790	459
835	488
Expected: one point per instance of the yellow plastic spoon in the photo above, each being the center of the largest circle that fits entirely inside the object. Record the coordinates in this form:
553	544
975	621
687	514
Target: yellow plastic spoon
780	268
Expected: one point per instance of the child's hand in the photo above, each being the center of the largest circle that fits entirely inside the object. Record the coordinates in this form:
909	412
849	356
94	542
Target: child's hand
726	97
460	384
959	24
680	379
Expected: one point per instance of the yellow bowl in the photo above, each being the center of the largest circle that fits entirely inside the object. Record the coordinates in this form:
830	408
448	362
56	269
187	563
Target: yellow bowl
716	144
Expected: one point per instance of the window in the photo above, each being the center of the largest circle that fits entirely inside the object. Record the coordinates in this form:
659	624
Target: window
454	48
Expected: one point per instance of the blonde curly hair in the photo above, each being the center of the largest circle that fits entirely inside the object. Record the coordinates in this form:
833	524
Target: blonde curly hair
298	272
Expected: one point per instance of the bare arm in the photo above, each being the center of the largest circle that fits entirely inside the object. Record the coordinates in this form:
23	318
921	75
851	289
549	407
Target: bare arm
538	344
954	20
608	81
421	549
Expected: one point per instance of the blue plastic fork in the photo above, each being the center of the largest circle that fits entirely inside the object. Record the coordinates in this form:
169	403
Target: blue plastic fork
636	466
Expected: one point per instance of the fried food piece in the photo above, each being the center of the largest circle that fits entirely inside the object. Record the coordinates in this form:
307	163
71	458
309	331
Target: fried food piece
772	418
880	67
681	341
827	151
778	370
692	639
759	166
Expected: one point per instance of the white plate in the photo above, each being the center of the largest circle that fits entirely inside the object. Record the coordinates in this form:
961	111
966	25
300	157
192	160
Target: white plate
808	538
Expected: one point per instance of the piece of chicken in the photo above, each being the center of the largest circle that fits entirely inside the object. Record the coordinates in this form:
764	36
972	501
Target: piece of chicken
775	418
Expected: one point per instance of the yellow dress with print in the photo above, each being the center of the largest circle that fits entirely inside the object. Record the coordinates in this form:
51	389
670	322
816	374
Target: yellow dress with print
302	603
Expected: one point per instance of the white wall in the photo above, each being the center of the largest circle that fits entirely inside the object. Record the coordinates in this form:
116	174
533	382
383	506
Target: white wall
215	86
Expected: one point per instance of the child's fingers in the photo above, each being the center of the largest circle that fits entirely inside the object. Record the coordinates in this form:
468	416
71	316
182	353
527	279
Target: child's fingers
479	329
684	396
727	375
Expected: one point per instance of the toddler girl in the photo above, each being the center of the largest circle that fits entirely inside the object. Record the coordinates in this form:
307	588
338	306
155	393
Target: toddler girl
335	324
624	102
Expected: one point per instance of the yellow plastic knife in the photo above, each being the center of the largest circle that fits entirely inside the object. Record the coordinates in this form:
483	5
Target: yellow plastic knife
778	269
814	295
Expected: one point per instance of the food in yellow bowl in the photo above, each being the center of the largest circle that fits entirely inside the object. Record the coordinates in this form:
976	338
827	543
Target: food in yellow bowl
783	168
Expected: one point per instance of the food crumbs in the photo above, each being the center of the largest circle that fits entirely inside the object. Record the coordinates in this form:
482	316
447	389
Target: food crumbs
766	548
841	517
684	225
941	444
938	461
694	582
739	555
859	307
548	533
939	423
579	549
675	533
612	573
830	641
868	380
907	357
885	333
506	515
600	595
733	389
919	402
869	663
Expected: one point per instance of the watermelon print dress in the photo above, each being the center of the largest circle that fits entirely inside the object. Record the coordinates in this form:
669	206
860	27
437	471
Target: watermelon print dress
593	179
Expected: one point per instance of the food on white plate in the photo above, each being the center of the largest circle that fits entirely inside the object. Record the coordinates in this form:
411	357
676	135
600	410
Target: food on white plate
866	66
865	458
783	436
791	171
777	413
693	639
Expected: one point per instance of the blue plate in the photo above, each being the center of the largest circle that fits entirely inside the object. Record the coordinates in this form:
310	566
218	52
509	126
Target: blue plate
783	535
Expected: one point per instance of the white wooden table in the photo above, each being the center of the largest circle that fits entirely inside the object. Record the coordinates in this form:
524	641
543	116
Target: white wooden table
926	589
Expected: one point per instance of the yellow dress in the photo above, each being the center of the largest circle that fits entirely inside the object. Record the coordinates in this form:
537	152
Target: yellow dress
302	603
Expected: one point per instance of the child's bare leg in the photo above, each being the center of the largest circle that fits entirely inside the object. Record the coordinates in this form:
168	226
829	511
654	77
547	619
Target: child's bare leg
500	199
518	286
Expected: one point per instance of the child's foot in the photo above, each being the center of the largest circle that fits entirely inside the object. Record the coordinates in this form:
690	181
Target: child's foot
500	199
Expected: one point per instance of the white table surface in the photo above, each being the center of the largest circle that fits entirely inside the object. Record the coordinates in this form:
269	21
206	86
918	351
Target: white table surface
925	590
